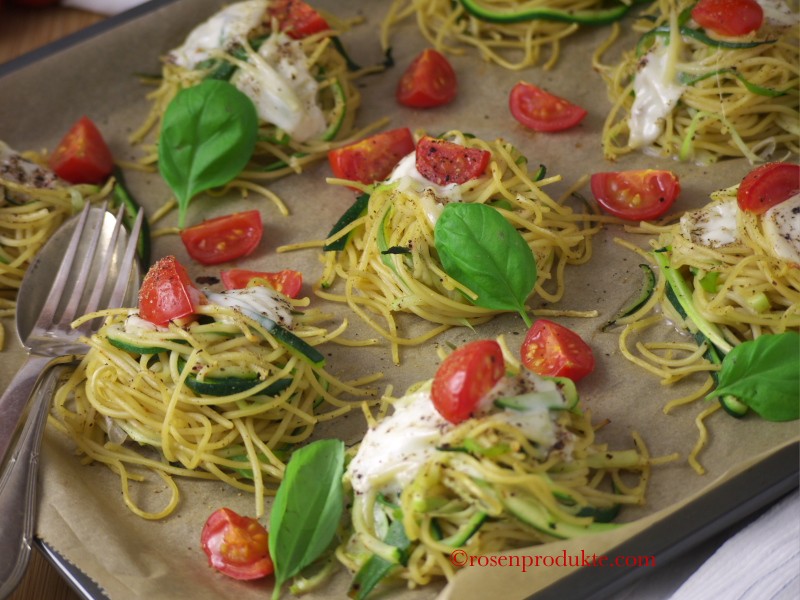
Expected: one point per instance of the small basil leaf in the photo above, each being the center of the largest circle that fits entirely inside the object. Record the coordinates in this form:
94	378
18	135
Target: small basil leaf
481	250
307	508
207	137
764	374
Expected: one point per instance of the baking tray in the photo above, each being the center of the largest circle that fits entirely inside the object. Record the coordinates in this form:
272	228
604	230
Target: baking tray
93	72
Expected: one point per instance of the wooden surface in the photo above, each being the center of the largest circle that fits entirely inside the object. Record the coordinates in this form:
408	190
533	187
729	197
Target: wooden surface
23	30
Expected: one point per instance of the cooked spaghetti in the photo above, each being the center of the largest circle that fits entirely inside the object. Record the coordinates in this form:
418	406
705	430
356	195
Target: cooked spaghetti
302	88
223	397
504	479
33	204
688	93
389	263
515	34
736	284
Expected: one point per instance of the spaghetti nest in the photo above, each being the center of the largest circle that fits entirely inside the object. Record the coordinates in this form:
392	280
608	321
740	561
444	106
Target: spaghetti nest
735	292
488	486
307	81
723	97
33	204
389	264
514	34
224	397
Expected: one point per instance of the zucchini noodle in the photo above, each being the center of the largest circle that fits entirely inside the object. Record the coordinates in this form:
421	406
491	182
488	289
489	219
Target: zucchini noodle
33	204
277	153
720	97
377	285
741	290
488	486
515	34
219	398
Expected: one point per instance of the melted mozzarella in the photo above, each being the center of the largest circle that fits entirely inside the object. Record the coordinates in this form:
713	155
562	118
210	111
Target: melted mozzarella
136	325
713	226
432	195
777	14
282	88
224	28
259	299
782	227
19	170
657	91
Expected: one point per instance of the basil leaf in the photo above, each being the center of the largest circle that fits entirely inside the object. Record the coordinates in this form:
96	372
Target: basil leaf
207	137
307	508
764	374
481	250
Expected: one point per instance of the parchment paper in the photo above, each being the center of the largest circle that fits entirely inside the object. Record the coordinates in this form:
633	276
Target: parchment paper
82	514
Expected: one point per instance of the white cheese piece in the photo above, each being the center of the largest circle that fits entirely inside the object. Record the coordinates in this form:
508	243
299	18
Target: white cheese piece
135	324
777	14
432	195
657	91
228	26
782	228
260	299
712	226
284	91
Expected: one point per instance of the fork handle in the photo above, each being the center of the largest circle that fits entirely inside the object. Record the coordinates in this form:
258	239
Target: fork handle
15	403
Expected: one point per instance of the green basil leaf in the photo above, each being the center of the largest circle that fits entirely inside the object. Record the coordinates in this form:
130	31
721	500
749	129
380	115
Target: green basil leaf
481	250
764	374
207	137
307	508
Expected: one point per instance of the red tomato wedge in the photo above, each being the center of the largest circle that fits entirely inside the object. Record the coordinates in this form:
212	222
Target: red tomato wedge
444	162
82	156
768	185
542	111
729	17
553	350
428	81
297	18
373	158
465	377
636	195
287	281
224	238
167	292
236	546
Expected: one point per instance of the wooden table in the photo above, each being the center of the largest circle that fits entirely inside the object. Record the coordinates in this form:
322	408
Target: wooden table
23	30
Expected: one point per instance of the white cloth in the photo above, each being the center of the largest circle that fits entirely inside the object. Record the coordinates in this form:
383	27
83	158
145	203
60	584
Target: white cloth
102	7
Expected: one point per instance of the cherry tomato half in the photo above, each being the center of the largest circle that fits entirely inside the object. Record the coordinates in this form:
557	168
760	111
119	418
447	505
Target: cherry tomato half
636	195
287	281
297	18
729	17
768	185
542	111
236	546
167	292
553	350
465	377
444	162
428	81
82	156
224	238
373	158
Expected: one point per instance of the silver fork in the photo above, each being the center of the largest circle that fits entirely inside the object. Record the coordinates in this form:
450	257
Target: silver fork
90	276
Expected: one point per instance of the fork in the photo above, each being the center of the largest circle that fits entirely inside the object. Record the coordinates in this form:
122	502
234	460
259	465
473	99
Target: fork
77	289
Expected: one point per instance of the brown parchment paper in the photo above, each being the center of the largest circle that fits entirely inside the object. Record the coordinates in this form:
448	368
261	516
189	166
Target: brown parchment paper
82	514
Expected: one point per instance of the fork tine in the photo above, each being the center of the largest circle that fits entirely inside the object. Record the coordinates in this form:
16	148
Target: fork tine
120	287
94	301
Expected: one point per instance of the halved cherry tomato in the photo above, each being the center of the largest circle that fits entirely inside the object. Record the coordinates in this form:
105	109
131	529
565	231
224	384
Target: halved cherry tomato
553	350
729	17
542	111
373	158
444	162
287	281
236	546
297	18
167	292
82	156
636	195
465	377
224	238
768	185
428	81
